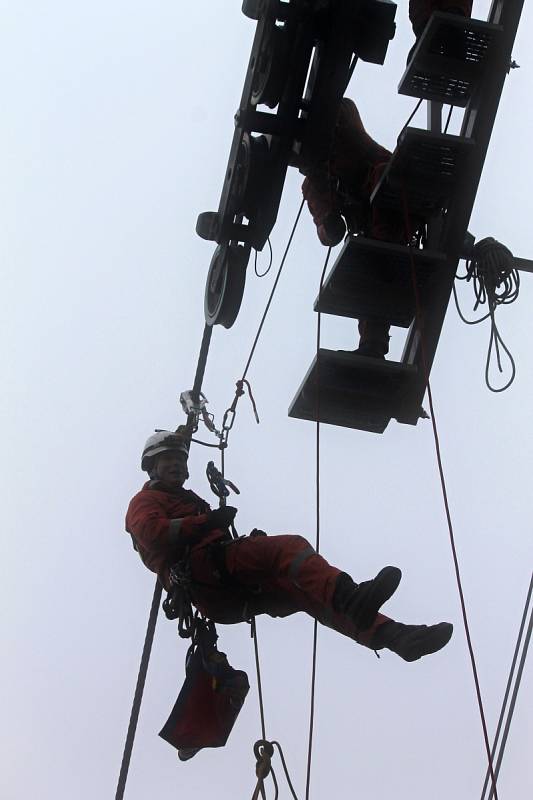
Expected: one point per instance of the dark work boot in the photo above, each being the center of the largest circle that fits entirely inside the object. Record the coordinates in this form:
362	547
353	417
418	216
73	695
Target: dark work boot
374	339
452	47
362	601
411	642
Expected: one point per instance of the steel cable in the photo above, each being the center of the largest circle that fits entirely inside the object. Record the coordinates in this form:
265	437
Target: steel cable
139	689
508	689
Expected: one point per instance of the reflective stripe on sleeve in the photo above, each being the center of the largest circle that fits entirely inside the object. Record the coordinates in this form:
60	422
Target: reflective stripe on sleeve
174	530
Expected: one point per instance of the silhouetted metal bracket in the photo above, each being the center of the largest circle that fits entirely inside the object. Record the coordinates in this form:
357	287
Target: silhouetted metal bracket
304	102
439	176
373	280
355	391
451	58
364	29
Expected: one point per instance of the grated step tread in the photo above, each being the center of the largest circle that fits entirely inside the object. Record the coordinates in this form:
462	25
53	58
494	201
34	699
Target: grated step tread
355	391
372	279
451	59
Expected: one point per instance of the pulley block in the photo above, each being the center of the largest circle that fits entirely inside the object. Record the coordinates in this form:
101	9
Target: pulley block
271	67
257	9
225	284
250	174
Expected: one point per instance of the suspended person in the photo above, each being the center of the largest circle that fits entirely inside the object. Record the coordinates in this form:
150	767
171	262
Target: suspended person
338	191
235	579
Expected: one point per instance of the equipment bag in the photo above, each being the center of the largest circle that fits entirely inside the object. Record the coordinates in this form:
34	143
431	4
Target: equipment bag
210	699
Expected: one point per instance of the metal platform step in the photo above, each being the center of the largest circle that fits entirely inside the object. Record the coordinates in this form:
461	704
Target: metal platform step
426	166
355	391
451	58
372	280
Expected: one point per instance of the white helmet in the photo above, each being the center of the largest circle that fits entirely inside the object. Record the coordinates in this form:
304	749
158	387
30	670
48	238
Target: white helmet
159	442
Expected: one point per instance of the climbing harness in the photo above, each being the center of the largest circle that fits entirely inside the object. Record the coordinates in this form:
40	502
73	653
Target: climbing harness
496	282
178	602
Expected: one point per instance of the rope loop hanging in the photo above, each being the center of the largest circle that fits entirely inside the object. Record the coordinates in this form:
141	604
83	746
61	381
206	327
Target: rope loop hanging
496	282
263	751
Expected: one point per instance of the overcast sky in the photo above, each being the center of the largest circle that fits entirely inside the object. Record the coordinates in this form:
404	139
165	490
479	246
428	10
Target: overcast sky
115	135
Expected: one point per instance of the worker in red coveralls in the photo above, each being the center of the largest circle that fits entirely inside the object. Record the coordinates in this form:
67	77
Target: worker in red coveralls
235	579
338	191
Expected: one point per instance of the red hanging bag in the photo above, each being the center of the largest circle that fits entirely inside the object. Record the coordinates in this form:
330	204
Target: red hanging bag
210	699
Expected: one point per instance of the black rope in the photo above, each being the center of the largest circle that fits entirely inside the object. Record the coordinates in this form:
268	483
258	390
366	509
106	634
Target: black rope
259	684
229	416
265	273
275	782
508	688
285	769
496	282
273	291
204	444
410	118
450	112
455	557
317	543
350	71
139	689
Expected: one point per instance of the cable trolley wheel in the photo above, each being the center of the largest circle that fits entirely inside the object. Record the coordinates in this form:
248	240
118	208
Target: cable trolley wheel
271	69
250	174
250	8
225	284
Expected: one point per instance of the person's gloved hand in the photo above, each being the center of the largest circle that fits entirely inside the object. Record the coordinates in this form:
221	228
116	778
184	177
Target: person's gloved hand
220	518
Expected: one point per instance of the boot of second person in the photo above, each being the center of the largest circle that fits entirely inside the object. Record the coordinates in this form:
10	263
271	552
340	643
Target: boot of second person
374	338
420	12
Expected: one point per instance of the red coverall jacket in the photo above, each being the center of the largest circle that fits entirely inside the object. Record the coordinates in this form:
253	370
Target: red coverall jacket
236	579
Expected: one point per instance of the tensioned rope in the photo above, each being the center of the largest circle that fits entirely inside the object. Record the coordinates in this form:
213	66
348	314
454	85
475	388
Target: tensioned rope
508	690
229	418
425	367
317	541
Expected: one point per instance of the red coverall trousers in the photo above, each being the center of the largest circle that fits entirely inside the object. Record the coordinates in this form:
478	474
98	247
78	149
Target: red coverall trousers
275	575
421	10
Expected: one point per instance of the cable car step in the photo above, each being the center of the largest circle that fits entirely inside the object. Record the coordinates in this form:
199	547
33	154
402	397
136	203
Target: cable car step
425	168
451	58
372	280
355	391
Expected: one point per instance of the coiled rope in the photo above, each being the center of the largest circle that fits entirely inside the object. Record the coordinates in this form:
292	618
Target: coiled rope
496	282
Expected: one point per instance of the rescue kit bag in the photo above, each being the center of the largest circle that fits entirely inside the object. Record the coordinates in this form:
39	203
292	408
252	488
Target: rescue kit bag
210	699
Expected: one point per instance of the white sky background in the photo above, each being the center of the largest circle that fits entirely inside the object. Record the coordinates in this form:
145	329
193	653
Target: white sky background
115	135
